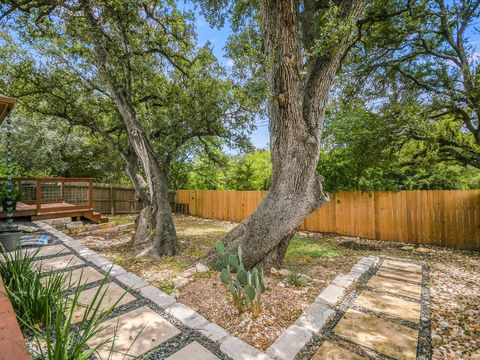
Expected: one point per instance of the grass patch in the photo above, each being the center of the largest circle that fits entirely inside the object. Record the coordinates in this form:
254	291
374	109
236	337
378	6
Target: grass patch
167	286
303	249
122	219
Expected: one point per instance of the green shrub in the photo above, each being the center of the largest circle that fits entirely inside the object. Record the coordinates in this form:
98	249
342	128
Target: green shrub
46	314
248	286
33	302
68	341
295	278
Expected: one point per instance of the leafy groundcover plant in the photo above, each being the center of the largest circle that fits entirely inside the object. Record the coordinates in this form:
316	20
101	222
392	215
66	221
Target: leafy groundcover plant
45	312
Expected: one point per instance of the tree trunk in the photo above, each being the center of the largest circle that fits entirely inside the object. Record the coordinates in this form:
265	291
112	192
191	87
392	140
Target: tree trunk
155	235
296	112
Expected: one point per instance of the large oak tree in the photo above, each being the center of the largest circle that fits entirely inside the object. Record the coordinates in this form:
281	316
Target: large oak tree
130	72
301	50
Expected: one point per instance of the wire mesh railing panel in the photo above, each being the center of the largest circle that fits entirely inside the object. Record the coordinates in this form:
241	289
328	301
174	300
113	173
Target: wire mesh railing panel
51	192
76	193
27	189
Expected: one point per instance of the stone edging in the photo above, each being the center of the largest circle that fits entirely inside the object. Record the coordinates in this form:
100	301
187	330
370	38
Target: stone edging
287	346
315	317
231	346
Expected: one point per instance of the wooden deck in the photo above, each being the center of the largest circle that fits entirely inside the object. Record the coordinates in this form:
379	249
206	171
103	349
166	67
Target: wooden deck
52	198
54	211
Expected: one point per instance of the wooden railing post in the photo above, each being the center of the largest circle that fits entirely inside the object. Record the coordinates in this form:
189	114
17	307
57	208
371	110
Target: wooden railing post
38	195
63	190
90	194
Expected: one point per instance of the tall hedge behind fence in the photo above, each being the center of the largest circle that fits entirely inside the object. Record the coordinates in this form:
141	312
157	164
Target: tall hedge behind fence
449	218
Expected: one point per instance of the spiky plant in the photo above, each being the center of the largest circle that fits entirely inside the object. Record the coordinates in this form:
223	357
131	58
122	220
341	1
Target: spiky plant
34	300
247	287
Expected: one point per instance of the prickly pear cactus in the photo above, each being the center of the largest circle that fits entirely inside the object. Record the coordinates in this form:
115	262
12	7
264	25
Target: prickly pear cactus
247	287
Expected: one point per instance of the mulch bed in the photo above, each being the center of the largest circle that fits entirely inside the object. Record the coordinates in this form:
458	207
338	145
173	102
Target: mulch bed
281	306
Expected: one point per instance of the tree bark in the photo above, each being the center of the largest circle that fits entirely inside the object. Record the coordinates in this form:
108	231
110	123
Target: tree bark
296	113
155	235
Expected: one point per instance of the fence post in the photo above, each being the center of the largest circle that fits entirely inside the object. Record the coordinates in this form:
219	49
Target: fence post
90	194
112	200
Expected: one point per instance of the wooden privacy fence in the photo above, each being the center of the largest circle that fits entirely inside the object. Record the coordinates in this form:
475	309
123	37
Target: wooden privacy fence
115	199
118	199
449	218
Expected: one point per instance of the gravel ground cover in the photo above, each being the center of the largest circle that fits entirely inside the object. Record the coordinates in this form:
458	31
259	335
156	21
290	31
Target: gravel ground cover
454	278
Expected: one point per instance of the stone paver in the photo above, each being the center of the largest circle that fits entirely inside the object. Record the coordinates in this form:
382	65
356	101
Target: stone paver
290	342
83	276
331	295
330	351
395	286
59	262
137	332
47	250
400	265
193	351
51	250
315	317
157	296
389	338
400	274
390	305
213	332
133	281
344	281
113	294
240	350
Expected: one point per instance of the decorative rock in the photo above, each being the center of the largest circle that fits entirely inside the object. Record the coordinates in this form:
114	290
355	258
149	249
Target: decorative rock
180	282
189	273
289	343
423	250
181	312
201	268
281	284
407	248
74	224
273	271
61	221
283	272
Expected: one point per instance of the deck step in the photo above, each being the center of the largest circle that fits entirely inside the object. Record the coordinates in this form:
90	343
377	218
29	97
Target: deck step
87	214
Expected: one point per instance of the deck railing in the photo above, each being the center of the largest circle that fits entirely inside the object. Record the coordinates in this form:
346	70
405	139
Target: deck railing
54	194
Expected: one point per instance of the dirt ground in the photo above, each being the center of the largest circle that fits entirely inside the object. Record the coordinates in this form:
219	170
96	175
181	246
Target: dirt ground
454	277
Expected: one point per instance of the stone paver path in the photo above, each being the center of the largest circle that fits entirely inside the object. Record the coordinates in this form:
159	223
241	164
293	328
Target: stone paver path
382	319
378	311
145	322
